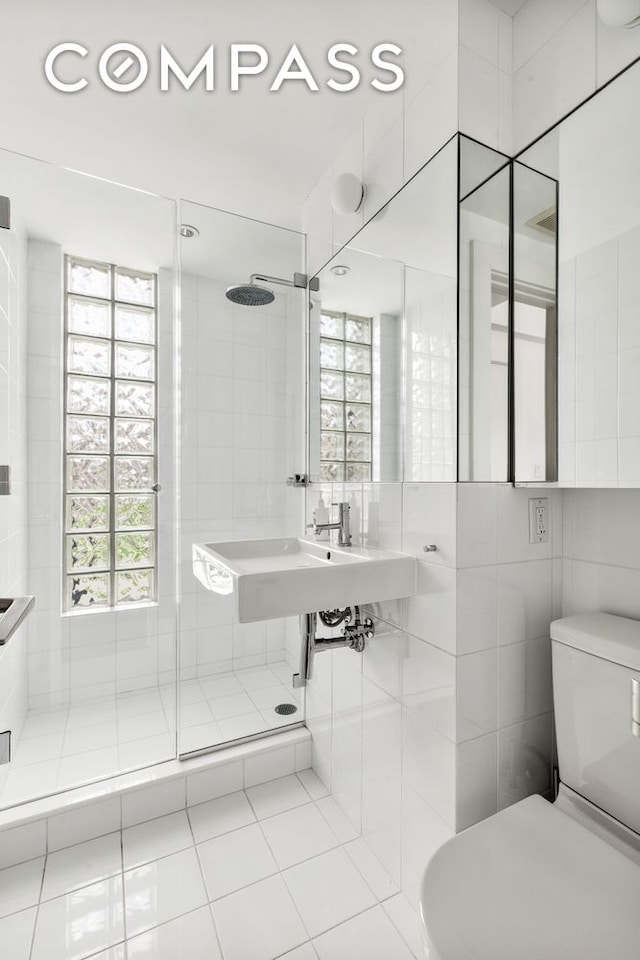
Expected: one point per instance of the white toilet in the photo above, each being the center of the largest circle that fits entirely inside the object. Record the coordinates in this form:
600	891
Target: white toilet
561	881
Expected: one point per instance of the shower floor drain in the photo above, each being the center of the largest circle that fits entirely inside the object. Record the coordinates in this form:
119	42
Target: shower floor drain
284	709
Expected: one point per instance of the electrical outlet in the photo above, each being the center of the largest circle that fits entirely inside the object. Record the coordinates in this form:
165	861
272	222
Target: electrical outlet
539	520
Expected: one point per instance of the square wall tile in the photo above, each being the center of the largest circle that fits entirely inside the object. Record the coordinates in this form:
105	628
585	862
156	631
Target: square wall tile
476	694
525	760
428	765
269	765
477	780
19	844
524	680
154	801
429	686
429	517
525	600
477	609
431	614
477	524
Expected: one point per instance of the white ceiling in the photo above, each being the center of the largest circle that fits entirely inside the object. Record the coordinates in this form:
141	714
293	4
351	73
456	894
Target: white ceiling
508	6
254	152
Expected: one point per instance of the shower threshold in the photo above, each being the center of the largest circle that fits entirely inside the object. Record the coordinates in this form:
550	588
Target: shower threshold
207	773
65	746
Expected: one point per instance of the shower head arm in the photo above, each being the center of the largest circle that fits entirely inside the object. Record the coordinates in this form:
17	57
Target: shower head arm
299	279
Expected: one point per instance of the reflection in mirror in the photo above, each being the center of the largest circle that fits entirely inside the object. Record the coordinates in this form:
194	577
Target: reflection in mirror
483	440
382	383
534	325
356	334
595	156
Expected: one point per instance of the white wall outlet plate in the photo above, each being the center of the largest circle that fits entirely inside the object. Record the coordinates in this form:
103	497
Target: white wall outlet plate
539	520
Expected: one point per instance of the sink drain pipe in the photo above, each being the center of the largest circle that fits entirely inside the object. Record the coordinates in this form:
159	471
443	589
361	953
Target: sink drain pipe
356	633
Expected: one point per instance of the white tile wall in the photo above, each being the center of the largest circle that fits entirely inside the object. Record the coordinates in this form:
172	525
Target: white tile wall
600	567
87	655
242	411
505	603
13	451
447	715
599	365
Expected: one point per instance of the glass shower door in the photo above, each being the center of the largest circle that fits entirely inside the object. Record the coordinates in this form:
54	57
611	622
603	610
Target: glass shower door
242	424
88	324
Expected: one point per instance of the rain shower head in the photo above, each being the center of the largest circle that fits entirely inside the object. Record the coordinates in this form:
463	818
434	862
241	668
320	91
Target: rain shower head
252	294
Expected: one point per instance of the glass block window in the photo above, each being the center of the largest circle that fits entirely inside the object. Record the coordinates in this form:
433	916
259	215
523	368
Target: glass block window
345	397
109	436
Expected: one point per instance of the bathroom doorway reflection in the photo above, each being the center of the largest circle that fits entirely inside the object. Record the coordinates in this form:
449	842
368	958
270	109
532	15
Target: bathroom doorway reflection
243	432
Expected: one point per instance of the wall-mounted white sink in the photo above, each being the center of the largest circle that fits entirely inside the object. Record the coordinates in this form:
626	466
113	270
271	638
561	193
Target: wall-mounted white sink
287	576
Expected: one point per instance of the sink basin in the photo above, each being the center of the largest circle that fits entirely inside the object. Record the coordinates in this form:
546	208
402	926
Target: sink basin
286	576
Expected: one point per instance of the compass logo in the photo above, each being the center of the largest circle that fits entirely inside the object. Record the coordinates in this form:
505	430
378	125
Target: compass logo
124	67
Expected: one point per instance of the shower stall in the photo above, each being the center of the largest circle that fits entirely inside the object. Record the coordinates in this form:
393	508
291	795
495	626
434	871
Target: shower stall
140	410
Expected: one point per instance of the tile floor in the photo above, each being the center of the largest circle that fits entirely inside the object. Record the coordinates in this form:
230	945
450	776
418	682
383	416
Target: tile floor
275	871
67	746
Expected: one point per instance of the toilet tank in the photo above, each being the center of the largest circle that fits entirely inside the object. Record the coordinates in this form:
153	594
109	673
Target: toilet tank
596	656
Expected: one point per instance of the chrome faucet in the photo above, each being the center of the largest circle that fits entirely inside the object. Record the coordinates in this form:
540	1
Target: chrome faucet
342	524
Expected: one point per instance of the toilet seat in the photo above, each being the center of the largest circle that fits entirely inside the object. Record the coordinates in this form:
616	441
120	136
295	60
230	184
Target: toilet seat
531	883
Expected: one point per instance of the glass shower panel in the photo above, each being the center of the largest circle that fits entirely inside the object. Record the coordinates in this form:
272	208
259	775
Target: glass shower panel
243	428
91	268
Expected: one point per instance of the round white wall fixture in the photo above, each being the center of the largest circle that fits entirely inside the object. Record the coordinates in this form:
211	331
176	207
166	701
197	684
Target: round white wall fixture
347	194
619	13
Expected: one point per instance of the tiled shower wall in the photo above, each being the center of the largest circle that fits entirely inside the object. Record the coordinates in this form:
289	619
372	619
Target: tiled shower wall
447	716
13	451
81	656
242	435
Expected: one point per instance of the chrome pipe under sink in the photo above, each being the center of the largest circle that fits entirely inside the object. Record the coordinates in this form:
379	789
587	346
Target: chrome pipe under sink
12	612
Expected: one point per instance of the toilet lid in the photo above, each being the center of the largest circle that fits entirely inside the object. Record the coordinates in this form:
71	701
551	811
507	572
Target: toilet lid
530	883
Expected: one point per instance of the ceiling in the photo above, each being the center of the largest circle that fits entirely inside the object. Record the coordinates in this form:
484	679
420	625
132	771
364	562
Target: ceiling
255	152
508	6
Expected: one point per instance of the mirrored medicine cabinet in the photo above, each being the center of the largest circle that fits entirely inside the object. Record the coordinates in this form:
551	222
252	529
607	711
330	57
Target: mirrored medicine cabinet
433	332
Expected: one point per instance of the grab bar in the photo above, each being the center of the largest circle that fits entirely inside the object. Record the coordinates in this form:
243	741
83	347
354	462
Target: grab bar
12	613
